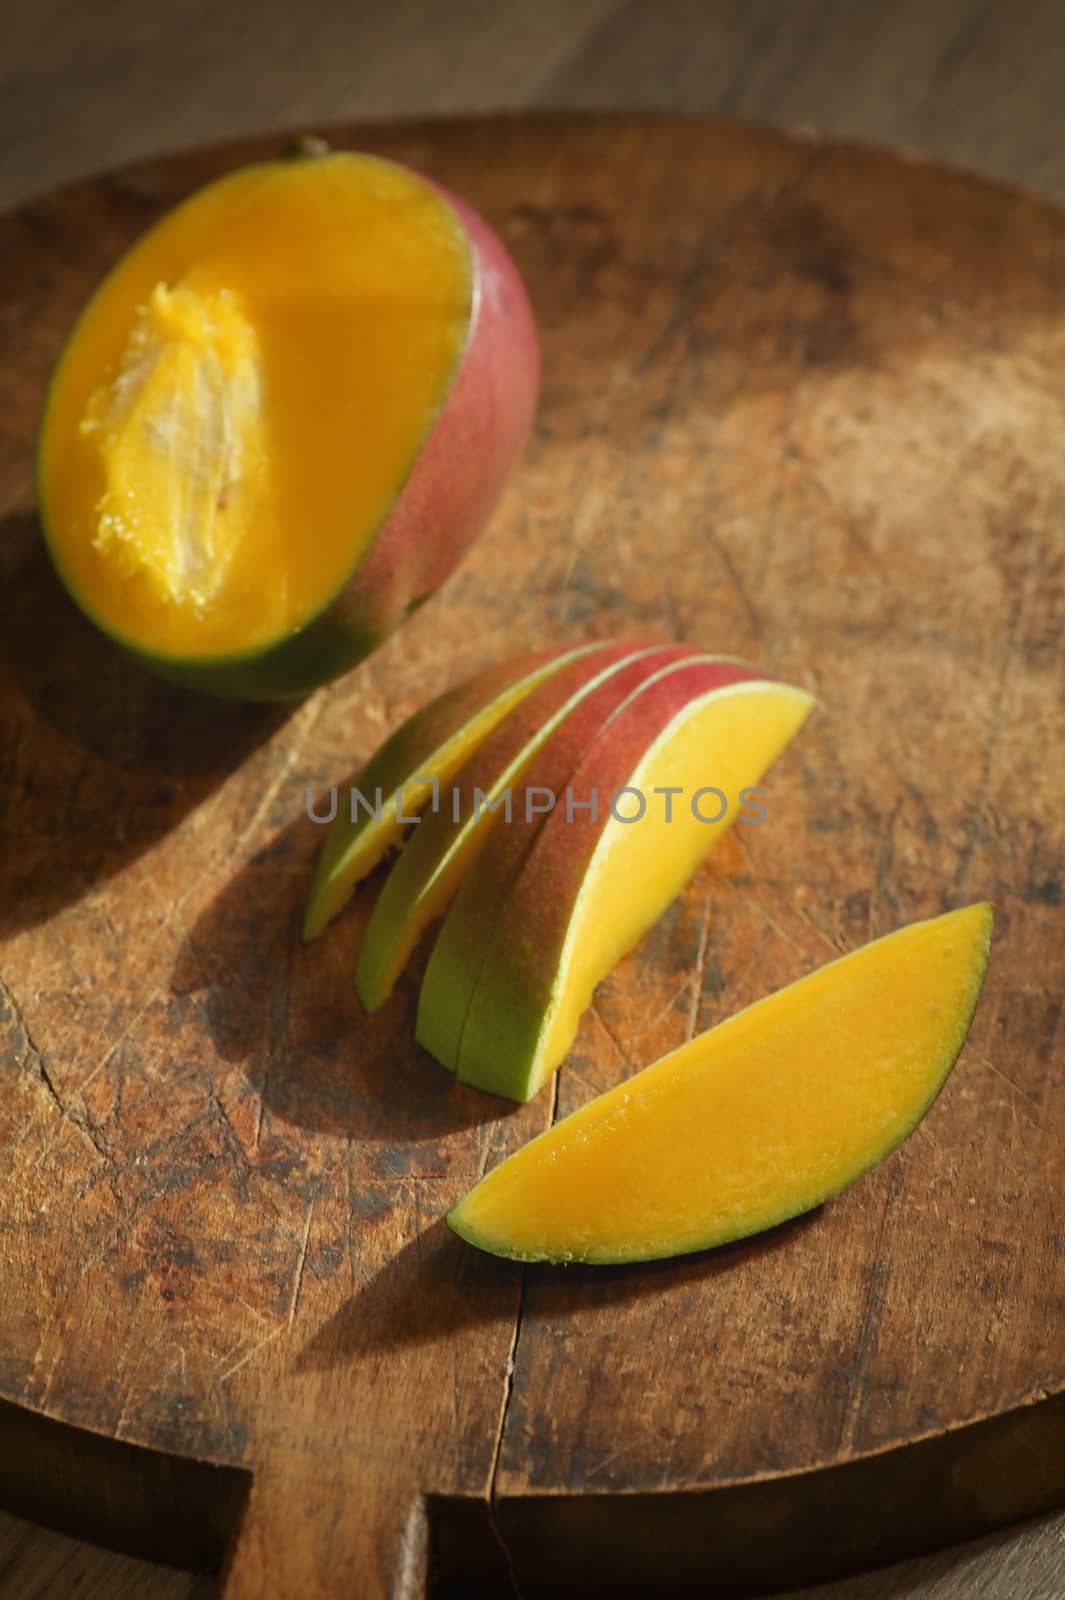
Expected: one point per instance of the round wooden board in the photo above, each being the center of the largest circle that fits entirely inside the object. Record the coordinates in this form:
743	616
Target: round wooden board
802	402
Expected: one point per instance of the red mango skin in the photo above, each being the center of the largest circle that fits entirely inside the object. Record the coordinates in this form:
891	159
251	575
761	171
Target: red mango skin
460	472
472	450
420	861
517	974
459	950
542	896
415	747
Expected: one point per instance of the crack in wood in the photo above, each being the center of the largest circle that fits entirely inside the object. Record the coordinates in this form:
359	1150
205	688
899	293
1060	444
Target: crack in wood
699	973
497	1449
508	1393
874	1304
615	1042
297	1286
29	1056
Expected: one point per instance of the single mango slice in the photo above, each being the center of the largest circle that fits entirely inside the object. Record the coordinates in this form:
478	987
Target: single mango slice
757	1120
445	843
592	883
433	743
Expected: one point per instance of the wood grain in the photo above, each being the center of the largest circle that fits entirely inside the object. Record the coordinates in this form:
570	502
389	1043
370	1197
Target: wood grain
812	418
83	89
37	1564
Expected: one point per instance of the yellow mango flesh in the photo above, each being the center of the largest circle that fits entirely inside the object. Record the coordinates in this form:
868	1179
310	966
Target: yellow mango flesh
424	880
244	398
181	442
544	958
753	1122
640	866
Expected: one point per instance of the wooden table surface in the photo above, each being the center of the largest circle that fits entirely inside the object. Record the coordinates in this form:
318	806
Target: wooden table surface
83	88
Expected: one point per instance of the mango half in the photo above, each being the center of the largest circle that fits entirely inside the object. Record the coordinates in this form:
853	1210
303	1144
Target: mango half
282	420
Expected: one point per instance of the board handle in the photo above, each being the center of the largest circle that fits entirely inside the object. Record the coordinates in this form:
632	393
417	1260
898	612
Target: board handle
307	1536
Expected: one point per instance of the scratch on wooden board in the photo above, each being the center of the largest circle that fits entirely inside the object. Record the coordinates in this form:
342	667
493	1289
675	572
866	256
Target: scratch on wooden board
293	755
509	1372
847	522
986	1061
608	1461
101	1062
589	510
885	860
249	1355
664	1010
615	1042
57	1358
838	947
874	1303
276	1036
995	730
352	1275
220	1117
699	970
770	921
297	1285
735	582
31	1059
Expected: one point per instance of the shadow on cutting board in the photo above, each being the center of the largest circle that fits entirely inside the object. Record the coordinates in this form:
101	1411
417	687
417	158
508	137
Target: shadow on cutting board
288	1013
98	759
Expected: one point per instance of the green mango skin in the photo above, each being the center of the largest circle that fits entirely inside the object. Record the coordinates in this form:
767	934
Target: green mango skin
503	1047
459	954
424	744
573	703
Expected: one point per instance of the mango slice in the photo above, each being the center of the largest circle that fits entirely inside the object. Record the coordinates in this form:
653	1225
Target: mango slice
421	884
753	1122
433	743
591	884
659	683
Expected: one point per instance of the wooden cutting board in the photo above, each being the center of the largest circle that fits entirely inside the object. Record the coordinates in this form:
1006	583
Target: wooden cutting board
803	402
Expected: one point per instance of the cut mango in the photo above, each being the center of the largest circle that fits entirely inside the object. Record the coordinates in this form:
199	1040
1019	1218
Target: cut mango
432	744
591	884
232	427
462	947
756	1121
446	842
